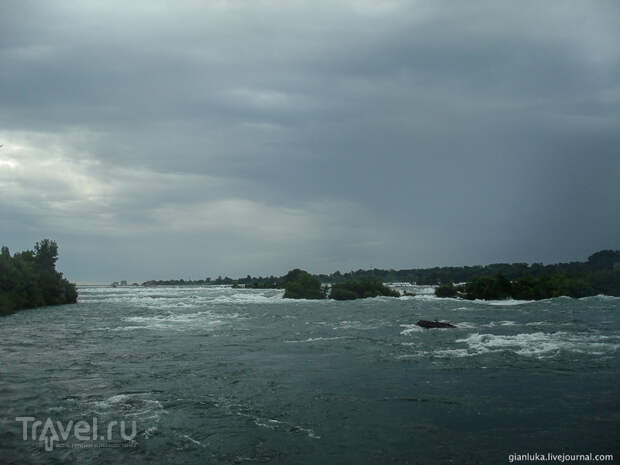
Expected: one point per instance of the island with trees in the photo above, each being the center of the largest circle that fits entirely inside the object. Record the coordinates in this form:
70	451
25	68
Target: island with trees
361	289
299	284
599	275
29	279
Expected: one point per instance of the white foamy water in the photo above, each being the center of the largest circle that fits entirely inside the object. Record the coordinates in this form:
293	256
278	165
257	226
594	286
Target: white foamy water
410	329
358	325
139	407
536	344
179	297
181	321
248	411
503	303
603	297
318	339
465	325
500	323
418	290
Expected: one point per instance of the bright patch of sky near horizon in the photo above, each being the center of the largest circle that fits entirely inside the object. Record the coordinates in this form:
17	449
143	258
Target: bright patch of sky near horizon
191	139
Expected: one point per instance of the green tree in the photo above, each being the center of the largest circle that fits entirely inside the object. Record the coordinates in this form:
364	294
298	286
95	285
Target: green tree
446	290
29	279
360	289
488	288
46	253
299	284
605	259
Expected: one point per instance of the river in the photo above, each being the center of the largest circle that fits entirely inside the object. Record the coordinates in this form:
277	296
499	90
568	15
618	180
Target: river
215	375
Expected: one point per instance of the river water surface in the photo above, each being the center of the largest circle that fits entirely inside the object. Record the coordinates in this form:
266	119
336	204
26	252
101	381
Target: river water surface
214	375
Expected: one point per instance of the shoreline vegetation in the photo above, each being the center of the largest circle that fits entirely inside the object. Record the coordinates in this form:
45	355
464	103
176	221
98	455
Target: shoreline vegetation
29	279
600	274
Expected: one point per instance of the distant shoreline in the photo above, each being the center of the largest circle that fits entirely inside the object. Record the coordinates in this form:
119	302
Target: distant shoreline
601	271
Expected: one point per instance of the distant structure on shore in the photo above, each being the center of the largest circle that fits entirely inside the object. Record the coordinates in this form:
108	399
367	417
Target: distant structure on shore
123	283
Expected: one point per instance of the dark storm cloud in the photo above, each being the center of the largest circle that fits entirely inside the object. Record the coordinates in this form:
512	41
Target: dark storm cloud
235	137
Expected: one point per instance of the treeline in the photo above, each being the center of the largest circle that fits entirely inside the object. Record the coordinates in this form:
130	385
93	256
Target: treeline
601	271
270	282
599	275
604	260
29	279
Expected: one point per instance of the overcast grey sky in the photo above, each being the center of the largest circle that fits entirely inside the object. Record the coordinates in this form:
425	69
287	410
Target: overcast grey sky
164	139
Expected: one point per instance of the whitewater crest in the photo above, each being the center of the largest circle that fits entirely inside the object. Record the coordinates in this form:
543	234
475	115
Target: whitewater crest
141	407
259	419
162	297
537	344
317	339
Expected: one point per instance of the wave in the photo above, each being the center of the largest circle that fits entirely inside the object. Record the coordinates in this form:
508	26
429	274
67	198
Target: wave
357	325
433	297
318	339
146	411
412	288
178	297
601	297
507	302
253	298
465	325
180	321
536	344
283	425
410	329
501	323
259	419
539	344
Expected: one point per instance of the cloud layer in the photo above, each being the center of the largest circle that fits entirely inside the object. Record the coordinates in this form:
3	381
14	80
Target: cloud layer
188	140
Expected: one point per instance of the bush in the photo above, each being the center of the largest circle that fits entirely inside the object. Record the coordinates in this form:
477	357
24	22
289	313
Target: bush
527	287
446	290
340	293
299	284
361	289
488	288
546	287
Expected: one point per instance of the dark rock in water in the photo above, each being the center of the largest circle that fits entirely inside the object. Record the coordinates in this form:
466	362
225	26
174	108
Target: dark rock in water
434	324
